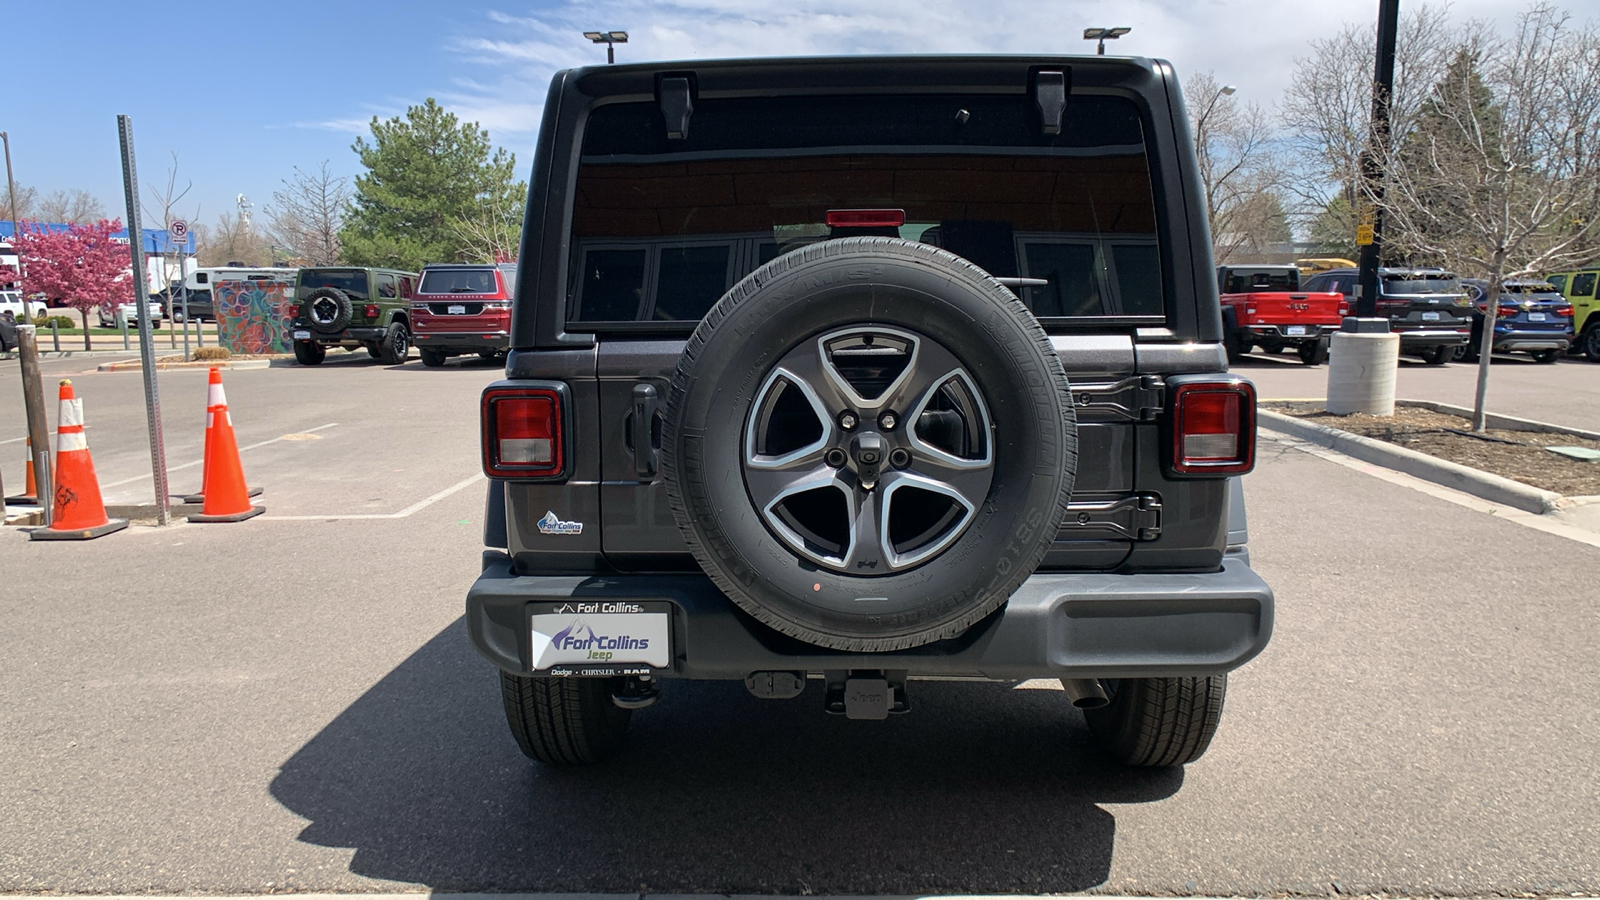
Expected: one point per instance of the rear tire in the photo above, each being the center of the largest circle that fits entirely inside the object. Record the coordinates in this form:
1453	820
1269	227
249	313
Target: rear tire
1438	356
431	358
394	346
1159	721
1235	347
1591	343
1314	353
307	353
563	721
1545	357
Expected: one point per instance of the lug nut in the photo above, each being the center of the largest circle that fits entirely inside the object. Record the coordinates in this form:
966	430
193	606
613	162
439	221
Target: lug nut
834	458
848	421
899	458
887	421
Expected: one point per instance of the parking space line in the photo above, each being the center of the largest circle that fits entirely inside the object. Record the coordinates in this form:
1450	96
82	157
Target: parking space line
413	508
1544	523
201	461
21	439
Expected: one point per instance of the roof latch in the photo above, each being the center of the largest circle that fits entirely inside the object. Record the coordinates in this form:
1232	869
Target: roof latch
1050	92
676	106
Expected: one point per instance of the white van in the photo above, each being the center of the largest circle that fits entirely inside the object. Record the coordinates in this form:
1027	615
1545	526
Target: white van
22	311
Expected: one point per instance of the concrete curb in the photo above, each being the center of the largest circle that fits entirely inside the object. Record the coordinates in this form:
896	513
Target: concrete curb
134	365
1493	488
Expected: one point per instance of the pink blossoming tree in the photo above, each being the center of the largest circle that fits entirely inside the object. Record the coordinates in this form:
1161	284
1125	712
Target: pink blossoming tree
83	267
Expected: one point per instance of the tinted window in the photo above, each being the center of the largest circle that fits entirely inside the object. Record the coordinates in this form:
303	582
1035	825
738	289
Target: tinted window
1583	284
386	287
458	281
1420	284
613	285
1244	281
973	174
351	282
690	279
1074	288
1138	268
1559	282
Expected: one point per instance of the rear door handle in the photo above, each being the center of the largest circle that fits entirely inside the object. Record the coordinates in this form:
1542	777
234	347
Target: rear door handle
642	425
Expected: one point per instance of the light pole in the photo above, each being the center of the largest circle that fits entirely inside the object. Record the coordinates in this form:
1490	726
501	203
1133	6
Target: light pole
1104	34
11	197
609	38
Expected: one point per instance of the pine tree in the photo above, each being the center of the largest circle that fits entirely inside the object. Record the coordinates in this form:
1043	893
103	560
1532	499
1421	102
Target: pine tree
427	174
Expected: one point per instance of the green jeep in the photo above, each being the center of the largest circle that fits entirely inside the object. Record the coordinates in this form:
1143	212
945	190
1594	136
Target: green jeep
1579	289
351	307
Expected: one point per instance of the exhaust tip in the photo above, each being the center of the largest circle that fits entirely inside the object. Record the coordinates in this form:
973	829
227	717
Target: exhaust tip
1085	693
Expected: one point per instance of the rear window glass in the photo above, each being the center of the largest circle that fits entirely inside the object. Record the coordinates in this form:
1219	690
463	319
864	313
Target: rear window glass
1583	284
663	228
1244	281
458	281
1418	283
353	283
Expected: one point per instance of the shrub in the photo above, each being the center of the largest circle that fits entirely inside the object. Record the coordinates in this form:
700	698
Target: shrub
43	321
211	353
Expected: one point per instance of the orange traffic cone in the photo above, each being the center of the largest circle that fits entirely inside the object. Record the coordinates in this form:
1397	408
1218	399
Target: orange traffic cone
30	493
215	397
79	513
227	499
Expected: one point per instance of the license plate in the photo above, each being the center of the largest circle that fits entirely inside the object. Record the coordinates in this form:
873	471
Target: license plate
1535	317
1295	330
302	335
456	310
1430	317
600	637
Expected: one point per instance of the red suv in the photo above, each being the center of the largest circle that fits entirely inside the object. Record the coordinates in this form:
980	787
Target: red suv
462	309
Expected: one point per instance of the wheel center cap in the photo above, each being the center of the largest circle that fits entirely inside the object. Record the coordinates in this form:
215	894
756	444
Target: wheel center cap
867	452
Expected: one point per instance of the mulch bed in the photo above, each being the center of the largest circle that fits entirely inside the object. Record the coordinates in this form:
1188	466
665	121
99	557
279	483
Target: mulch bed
1518	455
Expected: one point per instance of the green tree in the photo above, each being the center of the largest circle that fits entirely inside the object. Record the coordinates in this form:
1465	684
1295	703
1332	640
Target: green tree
429	178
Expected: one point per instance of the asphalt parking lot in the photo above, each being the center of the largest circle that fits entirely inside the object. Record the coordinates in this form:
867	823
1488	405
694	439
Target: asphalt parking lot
291	704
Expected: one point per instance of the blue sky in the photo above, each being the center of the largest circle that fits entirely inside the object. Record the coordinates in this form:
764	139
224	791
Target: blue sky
245	91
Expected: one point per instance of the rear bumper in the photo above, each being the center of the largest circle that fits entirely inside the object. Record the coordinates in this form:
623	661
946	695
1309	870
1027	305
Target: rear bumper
1280	333
1089	625
1531	340
1418	338
462	340
356	334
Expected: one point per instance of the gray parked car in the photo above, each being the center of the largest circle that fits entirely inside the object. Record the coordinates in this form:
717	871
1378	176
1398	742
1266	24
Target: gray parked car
867	374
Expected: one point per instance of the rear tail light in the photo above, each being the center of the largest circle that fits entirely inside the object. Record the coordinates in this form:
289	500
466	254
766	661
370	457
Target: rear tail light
866	218
1214	427
1508	311
1344	309
524	432
1564	311
372	310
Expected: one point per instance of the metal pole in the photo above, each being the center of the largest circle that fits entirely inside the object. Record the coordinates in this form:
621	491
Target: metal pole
55	334
38	426
141	298
11	192
124	321
1372	169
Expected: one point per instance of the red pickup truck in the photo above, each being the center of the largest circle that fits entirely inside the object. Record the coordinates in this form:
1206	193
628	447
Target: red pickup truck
1264	305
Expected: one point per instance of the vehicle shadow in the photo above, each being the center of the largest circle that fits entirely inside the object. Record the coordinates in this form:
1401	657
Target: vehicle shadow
983	789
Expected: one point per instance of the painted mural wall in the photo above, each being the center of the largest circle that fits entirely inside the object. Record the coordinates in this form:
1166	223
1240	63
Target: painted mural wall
254	316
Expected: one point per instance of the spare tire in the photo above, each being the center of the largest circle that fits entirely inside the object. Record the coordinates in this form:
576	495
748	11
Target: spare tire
328	309
869	444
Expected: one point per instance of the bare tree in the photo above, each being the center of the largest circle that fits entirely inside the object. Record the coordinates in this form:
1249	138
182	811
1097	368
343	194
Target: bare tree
494	232
27	202
1328	104
232	241
1239	167
1495	174
162	206
308	213
72	207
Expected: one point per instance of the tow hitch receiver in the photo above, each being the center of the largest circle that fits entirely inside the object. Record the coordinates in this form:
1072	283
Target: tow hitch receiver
867	694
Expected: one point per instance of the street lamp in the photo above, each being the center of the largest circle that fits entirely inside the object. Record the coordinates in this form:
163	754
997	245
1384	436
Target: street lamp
1102	35
608	38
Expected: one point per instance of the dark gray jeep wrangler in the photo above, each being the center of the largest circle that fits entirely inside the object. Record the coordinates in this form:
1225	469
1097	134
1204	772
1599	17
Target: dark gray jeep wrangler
866	372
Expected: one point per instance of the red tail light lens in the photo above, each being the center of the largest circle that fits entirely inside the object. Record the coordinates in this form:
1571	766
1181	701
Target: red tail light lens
866	218
523	435
372	310
1509	310
1564	311
1214	428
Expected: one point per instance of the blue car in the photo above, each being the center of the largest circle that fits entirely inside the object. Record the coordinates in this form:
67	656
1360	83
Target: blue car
1533	318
